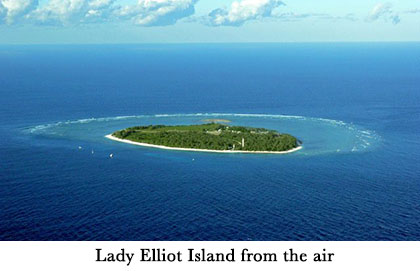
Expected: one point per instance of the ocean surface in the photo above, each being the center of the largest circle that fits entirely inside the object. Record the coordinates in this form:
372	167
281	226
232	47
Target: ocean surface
356	107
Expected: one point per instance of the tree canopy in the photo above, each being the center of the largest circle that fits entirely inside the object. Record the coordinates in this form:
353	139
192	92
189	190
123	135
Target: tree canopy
211	136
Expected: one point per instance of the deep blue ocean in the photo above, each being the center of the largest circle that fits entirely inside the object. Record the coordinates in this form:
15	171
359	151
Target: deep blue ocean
356	107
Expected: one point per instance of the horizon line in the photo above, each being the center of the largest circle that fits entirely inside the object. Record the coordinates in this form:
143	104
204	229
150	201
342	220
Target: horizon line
203	43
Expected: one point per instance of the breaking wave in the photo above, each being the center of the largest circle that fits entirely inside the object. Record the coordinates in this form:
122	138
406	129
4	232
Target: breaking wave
319	135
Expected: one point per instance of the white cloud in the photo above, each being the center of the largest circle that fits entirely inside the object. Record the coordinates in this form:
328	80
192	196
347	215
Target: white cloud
290	16
385	12
165	12
65	12
157	12
70	12
12	10
413	11
3	13
242	11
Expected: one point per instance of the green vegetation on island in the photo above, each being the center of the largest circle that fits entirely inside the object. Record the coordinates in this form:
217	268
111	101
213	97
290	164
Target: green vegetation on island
210	136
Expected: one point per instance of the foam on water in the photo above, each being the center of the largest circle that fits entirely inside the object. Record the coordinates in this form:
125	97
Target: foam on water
319	135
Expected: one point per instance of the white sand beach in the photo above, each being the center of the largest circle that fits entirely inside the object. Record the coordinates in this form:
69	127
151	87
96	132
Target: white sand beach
197	150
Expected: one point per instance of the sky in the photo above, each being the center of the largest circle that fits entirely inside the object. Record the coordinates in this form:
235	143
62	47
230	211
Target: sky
208	21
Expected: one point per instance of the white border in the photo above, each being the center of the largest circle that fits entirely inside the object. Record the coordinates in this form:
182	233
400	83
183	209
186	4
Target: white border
82	255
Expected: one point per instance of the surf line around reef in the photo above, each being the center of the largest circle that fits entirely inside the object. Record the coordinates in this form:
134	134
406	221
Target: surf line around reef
110	136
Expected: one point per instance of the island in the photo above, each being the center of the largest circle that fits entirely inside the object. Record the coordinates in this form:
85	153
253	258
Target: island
209	137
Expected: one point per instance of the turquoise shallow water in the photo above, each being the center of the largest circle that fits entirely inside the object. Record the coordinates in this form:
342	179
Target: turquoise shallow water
320	136
354	106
